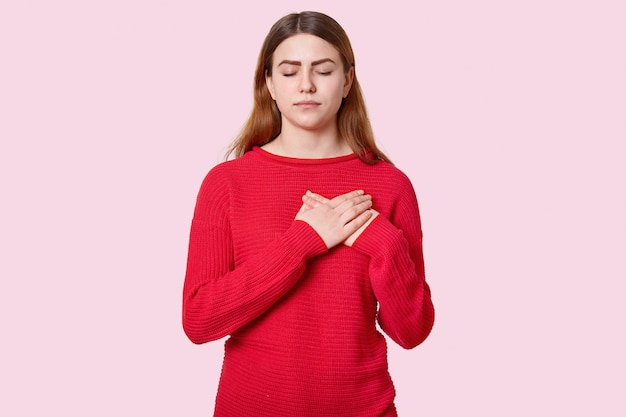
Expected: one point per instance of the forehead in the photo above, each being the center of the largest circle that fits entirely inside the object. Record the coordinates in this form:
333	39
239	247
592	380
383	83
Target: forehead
305	47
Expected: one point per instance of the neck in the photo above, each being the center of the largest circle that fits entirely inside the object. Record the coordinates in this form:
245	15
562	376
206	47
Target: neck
299	143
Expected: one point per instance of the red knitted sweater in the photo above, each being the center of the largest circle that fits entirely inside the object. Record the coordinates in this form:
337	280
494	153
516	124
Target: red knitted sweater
301	318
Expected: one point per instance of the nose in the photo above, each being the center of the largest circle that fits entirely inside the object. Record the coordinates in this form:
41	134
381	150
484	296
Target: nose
306	83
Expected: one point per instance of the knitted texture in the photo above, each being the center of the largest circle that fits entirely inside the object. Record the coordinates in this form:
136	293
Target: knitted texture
302	318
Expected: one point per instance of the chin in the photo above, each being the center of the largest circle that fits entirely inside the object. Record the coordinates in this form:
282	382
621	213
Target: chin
310	125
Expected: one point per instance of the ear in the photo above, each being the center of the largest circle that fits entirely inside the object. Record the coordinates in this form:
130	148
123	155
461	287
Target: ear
270	84
349	77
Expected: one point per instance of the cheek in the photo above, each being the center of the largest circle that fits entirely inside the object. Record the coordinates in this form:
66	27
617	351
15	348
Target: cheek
340	90
340	83
281	88
281	96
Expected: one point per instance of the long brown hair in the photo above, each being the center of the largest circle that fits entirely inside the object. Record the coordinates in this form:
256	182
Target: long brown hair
264	123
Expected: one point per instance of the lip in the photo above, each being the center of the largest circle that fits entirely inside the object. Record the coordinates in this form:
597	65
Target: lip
307	104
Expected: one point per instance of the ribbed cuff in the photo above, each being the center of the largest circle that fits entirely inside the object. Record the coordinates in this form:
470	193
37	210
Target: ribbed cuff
304	240
381	237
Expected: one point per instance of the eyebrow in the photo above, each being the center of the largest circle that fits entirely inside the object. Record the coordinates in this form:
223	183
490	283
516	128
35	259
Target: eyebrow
318	62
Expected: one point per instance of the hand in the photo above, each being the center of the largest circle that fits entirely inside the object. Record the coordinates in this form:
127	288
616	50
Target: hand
352	238
335	219
312	200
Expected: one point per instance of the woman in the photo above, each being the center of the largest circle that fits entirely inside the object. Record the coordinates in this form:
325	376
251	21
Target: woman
305	240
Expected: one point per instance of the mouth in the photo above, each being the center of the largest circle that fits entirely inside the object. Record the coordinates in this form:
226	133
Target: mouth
306	104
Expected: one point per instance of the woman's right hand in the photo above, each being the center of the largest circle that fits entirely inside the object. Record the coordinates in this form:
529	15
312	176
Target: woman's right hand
338	218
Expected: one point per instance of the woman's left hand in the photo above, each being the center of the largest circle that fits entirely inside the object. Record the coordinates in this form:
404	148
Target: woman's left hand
312	200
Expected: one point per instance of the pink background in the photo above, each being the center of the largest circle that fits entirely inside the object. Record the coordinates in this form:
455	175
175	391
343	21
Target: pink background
509	117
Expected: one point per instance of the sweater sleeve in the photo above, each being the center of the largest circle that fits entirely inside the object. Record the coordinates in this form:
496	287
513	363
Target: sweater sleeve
394	246
219	297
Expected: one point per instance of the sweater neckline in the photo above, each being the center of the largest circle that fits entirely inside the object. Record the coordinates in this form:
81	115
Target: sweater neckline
302	161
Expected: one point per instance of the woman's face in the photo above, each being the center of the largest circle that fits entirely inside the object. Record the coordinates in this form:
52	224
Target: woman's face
308	82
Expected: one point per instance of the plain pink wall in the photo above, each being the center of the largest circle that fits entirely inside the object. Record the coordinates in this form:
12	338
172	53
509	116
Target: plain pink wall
509	117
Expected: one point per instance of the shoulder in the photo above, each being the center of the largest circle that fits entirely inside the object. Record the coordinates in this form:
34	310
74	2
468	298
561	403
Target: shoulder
387	172
226	171
391	188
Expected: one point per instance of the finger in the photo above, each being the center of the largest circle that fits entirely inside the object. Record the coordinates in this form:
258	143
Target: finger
353	208
356	223
310	201
344	197
352	202
354	236
317	197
